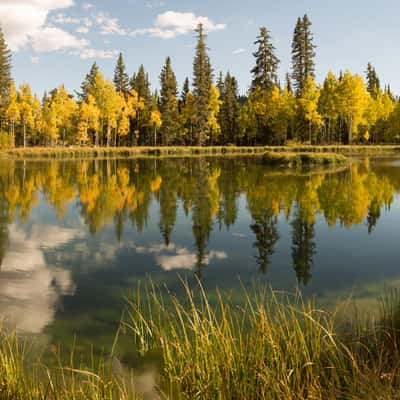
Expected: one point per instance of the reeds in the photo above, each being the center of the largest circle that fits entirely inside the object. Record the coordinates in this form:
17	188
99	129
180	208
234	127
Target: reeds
272	347
266	346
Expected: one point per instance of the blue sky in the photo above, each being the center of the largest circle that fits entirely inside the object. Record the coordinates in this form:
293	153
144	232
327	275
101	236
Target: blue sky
56	41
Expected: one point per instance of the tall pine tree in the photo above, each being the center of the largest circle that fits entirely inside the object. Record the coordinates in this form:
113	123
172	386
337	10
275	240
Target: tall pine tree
88	83
5	72
121	79
170	127
265	71
373	82
202	79
229	113
303	53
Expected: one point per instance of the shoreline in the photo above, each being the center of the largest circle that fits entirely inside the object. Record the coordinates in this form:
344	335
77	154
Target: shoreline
185	151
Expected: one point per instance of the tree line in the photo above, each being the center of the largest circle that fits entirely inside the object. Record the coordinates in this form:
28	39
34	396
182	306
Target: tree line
345	109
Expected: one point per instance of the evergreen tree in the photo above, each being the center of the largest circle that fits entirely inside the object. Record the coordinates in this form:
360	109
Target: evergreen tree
141	83
5	72
288	83
229	113
265	228
303	248
303	53
88	83
202	79
373	82
121	79
185	91
169	104
265	71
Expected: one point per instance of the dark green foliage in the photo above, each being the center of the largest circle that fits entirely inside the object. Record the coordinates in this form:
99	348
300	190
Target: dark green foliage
373	82
87	84
141	83
5	71
303	248
265	228
185	91
303	53
170	128
288	83
229	113
121	79
265	72
202	79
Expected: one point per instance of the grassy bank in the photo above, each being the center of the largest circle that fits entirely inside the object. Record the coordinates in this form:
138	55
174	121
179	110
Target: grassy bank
296	160
273	346
78	152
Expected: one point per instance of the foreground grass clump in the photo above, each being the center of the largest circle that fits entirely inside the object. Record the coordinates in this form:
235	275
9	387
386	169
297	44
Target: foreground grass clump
294	159
270	348
24	376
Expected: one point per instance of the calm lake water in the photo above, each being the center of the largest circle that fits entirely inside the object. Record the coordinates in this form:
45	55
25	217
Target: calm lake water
77	236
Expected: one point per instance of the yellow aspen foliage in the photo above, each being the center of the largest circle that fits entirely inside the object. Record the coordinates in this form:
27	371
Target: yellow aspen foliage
155	184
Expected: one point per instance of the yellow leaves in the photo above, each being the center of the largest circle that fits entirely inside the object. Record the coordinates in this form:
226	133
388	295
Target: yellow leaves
155	184
309	102
366	136
155	119
89	116
214	107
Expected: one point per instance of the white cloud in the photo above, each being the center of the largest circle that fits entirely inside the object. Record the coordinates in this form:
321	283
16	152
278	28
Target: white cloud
170	24
25	24
30	289
23	19
51	39
109	25
174	257
95	53
65	19
239	51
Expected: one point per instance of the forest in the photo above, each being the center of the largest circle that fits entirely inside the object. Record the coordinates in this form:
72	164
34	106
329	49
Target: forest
207	110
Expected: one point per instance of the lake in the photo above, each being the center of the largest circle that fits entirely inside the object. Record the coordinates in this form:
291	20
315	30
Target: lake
76	236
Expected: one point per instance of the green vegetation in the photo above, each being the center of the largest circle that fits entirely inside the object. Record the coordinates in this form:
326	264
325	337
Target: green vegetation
124	112
302	159
170	151
271	346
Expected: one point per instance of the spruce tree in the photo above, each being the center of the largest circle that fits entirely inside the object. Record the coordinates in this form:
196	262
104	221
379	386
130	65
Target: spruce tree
121	79
88	83
303	53
288	83
141	83
185	91
169	104
265	71
373	82
229	114
5	71
202	79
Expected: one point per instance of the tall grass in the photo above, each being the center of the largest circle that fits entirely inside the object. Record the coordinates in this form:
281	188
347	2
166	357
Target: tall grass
272	347
269	346
24	376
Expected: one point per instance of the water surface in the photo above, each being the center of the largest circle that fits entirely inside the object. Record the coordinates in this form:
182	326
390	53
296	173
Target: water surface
77	236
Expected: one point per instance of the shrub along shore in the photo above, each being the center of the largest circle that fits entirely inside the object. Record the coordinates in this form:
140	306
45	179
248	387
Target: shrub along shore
272	346
138	151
